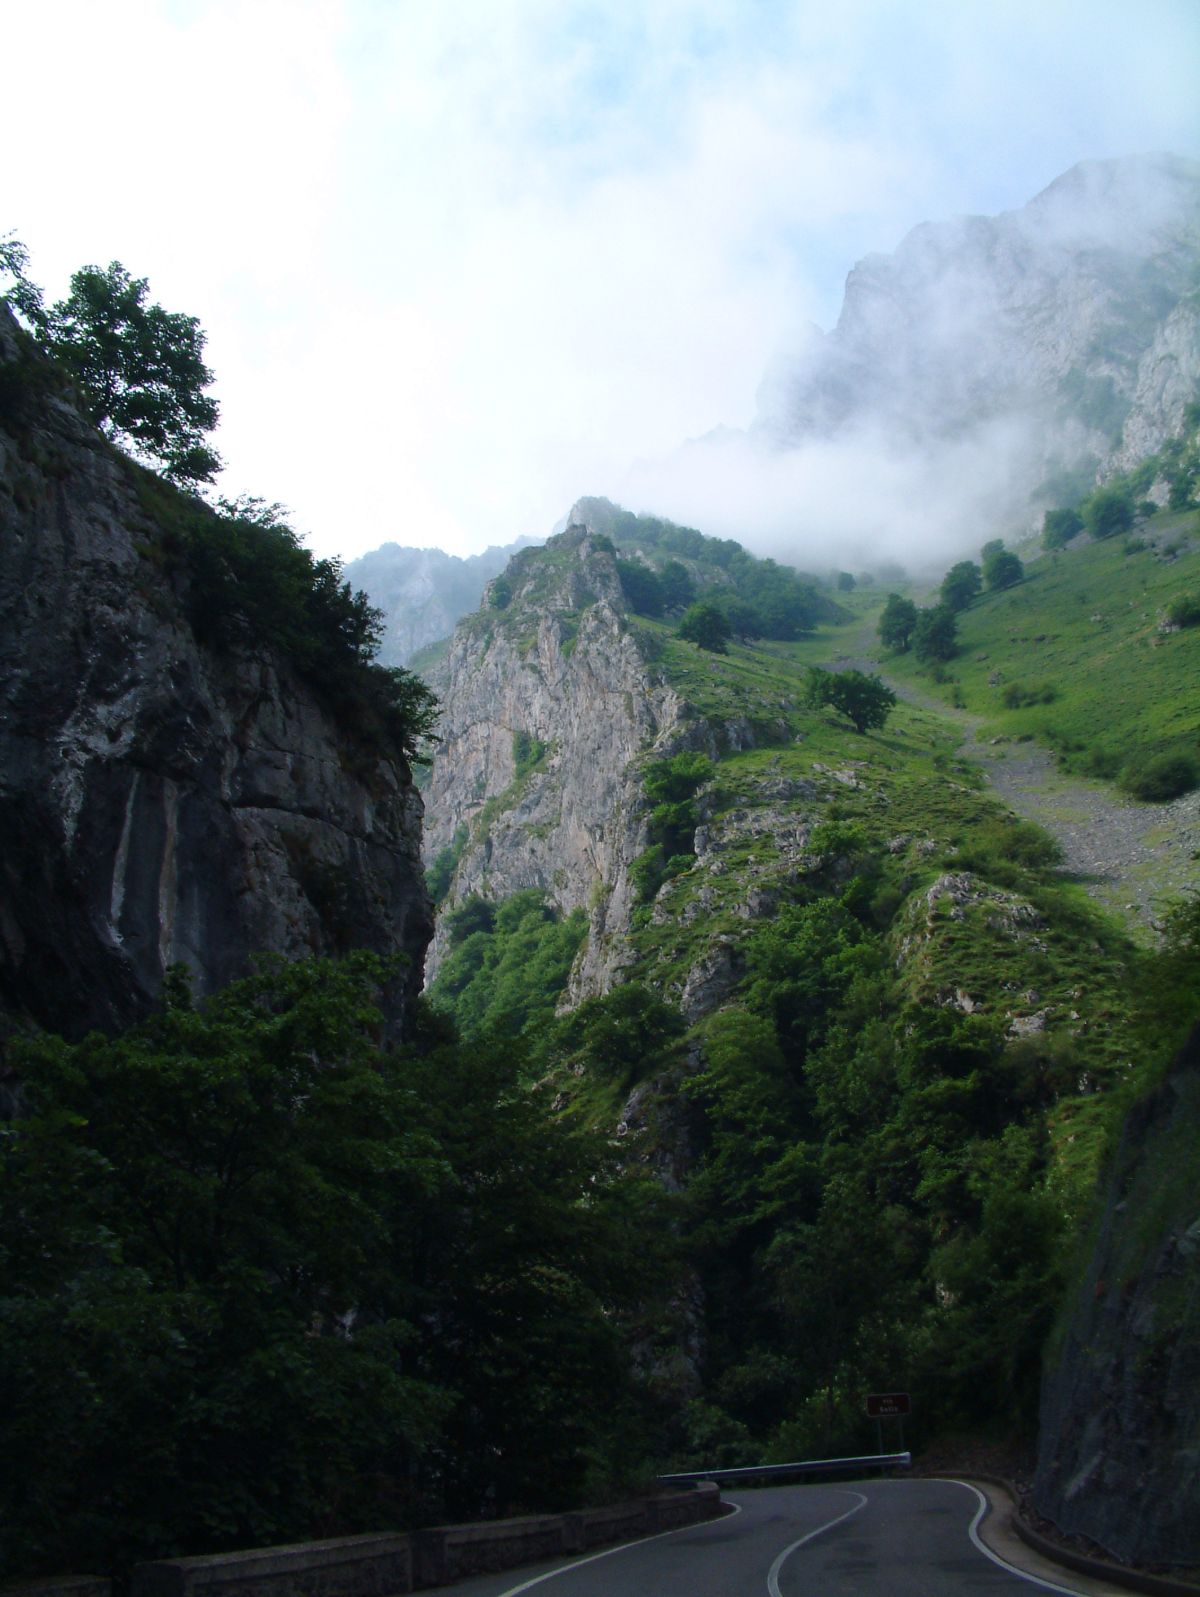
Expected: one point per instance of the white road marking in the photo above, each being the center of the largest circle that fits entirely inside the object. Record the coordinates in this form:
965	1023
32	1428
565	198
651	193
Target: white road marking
1034	1580
773	1573
551	1574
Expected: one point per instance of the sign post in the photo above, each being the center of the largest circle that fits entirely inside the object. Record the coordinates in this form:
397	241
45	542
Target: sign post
888	1406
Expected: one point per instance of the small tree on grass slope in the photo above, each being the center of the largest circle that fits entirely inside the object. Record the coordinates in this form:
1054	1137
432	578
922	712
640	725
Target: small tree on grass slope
867	700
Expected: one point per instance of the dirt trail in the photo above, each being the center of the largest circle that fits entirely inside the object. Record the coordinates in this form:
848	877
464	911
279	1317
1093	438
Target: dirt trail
1131	857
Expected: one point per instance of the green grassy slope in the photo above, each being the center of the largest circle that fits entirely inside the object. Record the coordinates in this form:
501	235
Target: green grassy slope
1088	625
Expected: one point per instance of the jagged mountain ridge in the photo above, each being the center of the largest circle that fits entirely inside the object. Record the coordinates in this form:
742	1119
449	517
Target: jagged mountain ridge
1075	320
557	660
560	666
423	593
163	799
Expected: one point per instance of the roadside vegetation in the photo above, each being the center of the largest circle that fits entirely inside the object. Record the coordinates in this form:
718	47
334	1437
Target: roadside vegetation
263	1279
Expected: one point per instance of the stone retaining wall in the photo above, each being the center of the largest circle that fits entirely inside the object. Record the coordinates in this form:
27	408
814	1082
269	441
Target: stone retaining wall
387	1564
347	1566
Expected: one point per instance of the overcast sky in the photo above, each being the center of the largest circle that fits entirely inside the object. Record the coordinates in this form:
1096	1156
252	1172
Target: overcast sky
461	261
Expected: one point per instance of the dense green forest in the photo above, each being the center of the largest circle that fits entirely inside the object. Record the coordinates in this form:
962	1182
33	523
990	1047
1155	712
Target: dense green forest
263	1279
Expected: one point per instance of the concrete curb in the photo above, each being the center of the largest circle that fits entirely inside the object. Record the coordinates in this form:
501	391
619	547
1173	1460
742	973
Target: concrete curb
1115	1574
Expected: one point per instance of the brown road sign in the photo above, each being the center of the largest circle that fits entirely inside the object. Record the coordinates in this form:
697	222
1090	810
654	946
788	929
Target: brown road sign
888	1405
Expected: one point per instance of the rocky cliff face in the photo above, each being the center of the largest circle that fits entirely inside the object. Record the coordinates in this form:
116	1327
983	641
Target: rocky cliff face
547	702
161	801
1119	1454
1073	322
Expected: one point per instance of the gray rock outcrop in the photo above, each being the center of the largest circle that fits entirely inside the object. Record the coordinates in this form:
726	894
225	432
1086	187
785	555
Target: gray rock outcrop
162	800
557	666
1119	1446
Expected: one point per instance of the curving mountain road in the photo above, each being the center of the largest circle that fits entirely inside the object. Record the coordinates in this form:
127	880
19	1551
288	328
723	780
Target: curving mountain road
912	1538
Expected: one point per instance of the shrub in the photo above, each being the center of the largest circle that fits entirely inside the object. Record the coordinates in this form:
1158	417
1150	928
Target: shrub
528	751
1001	568
1017	696
897	622
961	584
1059	527
1166	776
935	636
1107	512
706	627
1185	610
642	587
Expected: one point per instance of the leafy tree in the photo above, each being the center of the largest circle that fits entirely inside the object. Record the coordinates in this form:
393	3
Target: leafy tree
897	622
678	589
704	625
668	781
845	582
261	1280
1059	527
1001	568
192	1216
961	584
249	577
935	636
867	700
623	1036
1107	512
24	296
140	369
745	621
508	962
473	914
642	587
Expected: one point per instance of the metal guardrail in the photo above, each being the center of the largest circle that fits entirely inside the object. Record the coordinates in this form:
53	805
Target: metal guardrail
811	1466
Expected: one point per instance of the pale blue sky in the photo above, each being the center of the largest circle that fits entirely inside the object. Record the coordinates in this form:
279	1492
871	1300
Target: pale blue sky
460	262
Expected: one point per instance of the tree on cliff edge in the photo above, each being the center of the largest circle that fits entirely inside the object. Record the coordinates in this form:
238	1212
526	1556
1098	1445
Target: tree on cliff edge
139	368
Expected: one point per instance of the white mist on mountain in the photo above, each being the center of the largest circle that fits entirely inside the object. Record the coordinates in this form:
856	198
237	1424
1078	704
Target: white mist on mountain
986	357
850	502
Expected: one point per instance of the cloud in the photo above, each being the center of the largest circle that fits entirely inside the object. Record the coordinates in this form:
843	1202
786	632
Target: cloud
849	503
460	263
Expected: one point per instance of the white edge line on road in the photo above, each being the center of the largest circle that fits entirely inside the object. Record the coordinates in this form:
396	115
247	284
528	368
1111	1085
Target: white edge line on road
1034	1580
773	1573
609	1551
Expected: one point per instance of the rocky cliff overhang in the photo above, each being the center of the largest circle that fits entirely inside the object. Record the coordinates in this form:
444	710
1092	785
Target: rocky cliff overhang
162	800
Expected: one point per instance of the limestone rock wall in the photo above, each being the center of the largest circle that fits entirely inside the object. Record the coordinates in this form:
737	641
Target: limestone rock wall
557	664
161	801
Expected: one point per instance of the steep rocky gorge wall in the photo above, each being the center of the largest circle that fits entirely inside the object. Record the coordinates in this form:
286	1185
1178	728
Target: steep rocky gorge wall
1119	1452
1073	321
559	665
162	801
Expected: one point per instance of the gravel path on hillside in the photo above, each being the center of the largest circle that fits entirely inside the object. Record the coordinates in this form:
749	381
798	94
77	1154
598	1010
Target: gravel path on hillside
1130	857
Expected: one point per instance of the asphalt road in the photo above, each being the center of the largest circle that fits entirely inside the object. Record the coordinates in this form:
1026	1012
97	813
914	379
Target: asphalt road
892	1538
